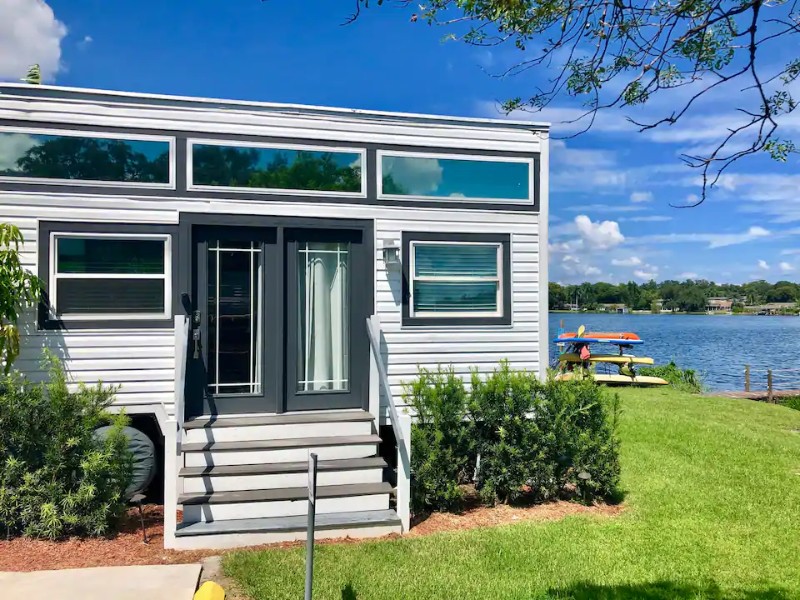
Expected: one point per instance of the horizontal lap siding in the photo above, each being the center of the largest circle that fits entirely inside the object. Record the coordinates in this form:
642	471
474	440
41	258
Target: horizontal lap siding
140	362
407	349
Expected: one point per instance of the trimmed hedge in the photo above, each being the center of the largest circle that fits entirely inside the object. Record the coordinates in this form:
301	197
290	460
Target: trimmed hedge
513	436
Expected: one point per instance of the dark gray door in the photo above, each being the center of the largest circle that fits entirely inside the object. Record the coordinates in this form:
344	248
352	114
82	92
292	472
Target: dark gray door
279	318
234	329
327	357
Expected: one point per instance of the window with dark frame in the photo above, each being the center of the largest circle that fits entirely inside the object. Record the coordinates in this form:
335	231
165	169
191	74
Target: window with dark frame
456	279
86	158
109	276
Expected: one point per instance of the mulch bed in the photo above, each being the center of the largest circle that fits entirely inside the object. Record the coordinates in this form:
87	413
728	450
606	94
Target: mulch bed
126	548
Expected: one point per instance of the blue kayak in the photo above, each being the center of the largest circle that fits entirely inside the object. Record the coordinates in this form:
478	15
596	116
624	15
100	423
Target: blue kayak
589	340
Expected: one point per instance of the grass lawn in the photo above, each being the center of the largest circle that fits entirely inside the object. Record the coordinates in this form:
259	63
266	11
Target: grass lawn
713	511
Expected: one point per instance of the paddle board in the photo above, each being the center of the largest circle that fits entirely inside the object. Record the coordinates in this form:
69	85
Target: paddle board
590	340
615	359
616	379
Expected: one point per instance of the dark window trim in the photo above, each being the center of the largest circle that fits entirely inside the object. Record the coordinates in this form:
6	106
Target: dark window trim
318	146
181	190
503	239
193	223
56	130
529	161
45	320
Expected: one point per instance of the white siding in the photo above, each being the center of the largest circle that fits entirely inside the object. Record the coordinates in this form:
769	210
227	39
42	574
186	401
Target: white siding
142	361
276	120
409	348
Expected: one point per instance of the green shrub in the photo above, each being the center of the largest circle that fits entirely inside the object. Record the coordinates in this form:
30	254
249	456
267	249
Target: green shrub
56	479
544	439
792	402
442	453
582	419
513	451
686	380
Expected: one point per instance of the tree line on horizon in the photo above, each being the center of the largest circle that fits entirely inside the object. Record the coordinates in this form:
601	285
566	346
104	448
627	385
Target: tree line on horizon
687	296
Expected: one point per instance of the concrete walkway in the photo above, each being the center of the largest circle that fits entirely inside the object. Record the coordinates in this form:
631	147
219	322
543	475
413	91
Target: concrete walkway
156	582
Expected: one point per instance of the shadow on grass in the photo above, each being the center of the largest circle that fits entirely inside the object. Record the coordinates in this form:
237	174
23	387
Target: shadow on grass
661	590
348	593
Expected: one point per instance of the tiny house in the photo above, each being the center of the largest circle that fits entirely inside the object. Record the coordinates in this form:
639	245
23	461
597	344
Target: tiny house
260	279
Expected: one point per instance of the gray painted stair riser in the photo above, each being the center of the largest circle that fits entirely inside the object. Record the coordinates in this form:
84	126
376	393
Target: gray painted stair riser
239	540
370	518
255	457
277	432
282	508
323	416
211	483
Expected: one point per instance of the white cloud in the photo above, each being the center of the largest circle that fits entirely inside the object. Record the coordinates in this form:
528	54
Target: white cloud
641	197
645	275
762	264
29	34
689	275
12	147
599	235
633	261
418	176
85	42
790	251
714	240
648	219
785	267
574	266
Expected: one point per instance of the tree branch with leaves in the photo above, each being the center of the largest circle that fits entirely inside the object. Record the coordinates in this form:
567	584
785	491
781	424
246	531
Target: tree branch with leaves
19	290
621	53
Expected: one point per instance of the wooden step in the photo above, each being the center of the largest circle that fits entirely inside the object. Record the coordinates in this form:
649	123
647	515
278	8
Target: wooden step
372	462
313	442
278	525
282	494
278	419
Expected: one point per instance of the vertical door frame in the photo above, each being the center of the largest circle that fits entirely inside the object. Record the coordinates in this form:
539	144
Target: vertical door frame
278	363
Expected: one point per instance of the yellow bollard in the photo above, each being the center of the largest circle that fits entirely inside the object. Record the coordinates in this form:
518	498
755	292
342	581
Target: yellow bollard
210	591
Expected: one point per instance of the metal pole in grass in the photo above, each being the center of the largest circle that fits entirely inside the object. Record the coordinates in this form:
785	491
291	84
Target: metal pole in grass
312	501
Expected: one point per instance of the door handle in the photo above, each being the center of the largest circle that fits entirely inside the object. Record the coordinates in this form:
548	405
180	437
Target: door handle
197	343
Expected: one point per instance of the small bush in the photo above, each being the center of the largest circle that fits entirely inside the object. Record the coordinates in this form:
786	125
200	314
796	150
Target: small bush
544	439
583	418
535	440
792	402
56	478
686	380
514	452
442	452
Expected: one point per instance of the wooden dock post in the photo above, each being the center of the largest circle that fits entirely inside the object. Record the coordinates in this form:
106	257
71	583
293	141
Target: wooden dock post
770	396
747	378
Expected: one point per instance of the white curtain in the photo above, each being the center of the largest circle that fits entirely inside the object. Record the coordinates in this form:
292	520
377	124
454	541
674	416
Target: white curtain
324	351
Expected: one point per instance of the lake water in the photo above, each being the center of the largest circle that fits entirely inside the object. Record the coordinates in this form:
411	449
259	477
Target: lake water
716	346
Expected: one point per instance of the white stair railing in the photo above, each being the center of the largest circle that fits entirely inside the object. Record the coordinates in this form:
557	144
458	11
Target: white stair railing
401	424
172	431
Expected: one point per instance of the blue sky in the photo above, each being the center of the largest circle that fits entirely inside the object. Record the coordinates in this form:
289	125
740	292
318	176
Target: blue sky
610	188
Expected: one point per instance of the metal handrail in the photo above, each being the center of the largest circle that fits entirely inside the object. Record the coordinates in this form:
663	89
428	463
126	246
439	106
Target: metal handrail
374	333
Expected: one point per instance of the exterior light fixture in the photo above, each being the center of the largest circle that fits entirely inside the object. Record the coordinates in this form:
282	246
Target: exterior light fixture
391	253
